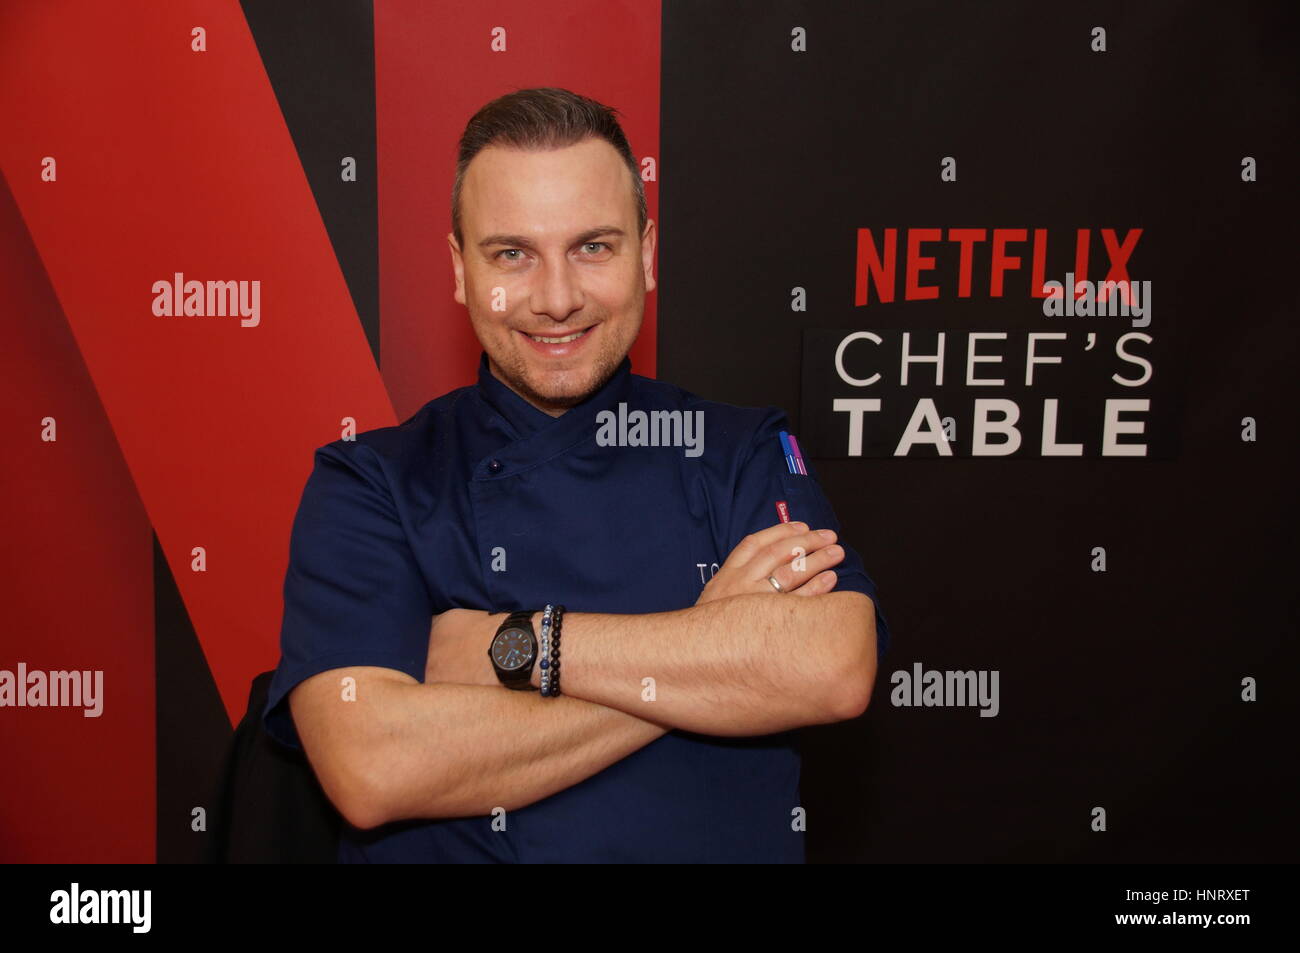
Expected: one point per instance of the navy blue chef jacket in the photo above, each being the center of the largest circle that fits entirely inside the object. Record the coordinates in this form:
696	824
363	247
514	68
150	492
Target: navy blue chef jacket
403	522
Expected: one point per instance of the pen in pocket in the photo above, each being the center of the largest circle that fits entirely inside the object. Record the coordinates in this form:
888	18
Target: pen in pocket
788	451
798	455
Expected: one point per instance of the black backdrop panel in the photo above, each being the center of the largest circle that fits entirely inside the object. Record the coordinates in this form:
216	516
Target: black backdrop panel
1120	688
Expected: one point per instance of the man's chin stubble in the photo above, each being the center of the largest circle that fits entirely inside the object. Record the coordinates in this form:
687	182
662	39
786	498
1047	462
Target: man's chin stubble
565	402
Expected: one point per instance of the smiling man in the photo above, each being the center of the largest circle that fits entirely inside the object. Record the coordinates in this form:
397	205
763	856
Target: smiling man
507	640
557	306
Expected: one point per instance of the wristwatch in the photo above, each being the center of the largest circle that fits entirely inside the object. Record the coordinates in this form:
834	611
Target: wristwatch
514	651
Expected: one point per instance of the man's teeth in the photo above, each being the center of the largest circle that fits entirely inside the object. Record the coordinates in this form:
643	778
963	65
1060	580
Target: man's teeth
563	340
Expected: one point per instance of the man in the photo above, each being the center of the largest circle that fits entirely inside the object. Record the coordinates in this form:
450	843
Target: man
698	629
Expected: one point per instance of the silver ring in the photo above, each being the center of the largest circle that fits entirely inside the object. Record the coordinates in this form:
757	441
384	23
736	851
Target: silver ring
775	585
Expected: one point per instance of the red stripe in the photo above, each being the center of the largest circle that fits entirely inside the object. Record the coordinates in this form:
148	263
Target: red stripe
78	584
172	160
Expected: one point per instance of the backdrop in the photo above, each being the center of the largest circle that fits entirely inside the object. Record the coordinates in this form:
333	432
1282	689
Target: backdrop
1081	523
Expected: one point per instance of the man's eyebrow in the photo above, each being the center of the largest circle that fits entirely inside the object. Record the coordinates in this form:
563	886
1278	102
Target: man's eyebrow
519	241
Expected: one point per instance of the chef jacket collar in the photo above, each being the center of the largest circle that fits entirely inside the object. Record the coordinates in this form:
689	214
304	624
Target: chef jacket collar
541	436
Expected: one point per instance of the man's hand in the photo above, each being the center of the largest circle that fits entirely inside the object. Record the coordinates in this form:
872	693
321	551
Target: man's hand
458	648
799	558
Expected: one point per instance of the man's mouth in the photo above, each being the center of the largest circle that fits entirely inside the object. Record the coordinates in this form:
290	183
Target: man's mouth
560	340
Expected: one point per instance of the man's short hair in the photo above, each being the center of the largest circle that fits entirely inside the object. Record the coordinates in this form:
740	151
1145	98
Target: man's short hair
542	118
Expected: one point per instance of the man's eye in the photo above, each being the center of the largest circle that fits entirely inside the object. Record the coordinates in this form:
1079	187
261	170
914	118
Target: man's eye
593	248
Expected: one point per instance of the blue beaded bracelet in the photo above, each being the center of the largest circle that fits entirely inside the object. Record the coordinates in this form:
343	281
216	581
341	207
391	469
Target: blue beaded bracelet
545	654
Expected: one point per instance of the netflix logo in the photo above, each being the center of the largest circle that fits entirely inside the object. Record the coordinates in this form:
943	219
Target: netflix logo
990	254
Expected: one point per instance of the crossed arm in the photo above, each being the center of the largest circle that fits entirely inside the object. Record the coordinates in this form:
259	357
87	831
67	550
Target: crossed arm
744	660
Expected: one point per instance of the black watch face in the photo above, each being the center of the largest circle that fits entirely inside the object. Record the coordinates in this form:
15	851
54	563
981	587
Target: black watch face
512	650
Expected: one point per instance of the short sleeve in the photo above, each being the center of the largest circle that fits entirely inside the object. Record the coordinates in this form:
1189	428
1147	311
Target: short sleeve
764	479
353	592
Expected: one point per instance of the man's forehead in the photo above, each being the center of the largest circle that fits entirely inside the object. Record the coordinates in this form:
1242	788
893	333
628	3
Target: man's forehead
547	194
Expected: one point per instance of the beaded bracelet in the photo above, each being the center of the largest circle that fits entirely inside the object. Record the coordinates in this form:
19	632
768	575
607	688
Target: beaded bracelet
545	653
552	661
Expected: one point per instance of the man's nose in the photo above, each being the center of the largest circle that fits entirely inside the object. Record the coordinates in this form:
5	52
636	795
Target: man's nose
556	290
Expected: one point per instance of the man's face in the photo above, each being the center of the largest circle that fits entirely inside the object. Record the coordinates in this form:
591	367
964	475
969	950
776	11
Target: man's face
551	250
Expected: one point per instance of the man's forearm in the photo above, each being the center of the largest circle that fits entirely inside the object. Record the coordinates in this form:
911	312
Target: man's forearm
449	750
744	665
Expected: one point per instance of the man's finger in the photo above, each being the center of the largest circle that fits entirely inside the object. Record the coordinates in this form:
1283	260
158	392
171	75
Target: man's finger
819	584
754	543
791	573
784	551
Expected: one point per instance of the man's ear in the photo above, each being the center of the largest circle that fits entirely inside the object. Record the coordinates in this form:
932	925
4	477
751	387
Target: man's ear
648	254
457	267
